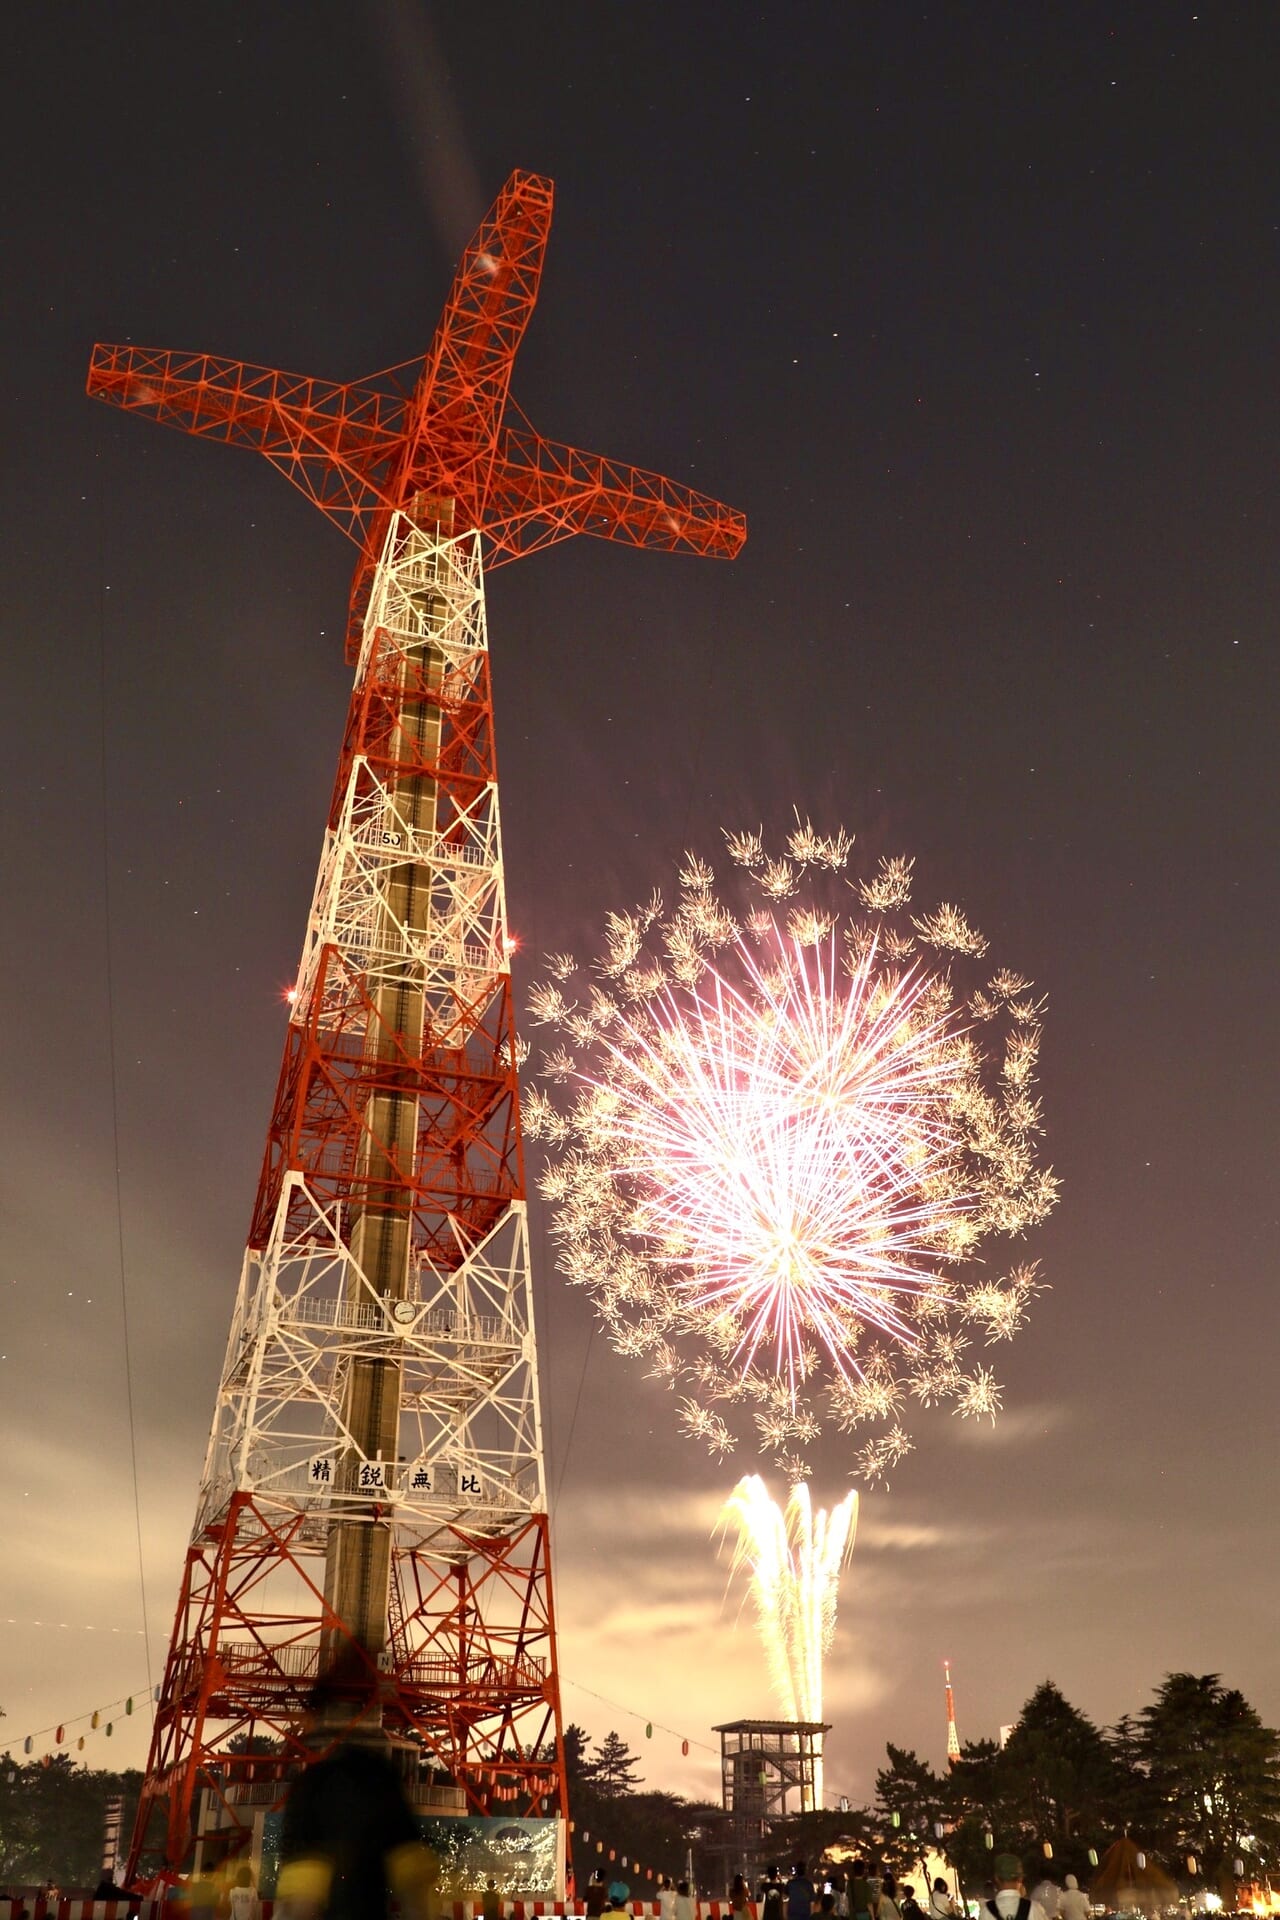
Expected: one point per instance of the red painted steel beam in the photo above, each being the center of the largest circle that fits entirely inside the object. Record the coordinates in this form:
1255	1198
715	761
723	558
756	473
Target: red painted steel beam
452	444
361	450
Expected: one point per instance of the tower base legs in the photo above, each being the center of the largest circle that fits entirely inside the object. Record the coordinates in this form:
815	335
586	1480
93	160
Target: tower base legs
468	1679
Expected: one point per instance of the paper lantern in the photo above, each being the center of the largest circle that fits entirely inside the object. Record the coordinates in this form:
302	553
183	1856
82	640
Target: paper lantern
94	1719
1191	1863
1239	1867
26	1745
1093	1858
110	1729
1048	1849
1141	1859
684	1748
128	1705
80	1744
648	1729
896	1819
988	1840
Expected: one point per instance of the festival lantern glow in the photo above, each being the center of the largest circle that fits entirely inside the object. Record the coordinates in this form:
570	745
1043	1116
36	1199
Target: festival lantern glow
779	1134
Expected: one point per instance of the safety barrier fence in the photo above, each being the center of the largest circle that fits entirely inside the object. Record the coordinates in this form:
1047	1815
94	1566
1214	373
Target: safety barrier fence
37	1907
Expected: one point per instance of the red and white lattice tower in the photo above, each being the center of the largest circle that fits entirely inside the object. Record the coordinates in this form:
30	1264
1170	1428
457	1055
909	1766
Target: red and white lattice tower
373	1503
953	1737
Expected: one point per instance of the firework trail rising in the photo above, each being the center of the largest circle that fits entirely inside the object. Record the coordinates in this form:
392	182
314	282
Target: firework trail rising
778	1135
794	1561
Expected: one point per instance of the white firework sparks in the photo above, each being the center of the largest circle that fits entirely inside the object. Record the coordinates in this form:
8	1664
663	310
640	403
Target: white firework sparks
783	1135
794	1559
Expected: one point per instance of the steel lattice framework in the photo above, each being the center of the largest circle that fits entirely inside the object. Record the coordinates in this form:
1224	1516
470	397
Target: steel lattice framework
373	1500
443	428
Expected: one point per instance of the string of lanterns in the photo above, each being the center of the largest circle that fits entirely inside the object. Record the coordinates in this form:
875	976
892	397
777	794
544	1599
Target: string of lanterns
503	1785
500	1789
649	1725
97	1716
627	1864
1046	1846
1139	1858
632	1866
97	1719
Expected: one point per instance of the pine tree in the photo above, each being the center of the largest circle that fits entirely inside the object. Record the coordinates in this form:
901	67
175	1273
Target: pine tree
1055	1780
611	1769
1213	1774
909	1788
1059	1770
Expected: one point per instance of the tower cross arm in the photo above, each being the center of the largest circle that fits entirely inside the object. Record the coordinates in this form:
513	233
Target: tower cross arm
337	443
543	491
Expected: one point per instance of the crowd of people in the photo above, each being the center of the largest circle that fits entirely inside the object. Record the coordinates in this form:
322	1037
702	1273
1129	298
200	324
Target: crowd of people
675	1901
864	1893
360	1872
873	1893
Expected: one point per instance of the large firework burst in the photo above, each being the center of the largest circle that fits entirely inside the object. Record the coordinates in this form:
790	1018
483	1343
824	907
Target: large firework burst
778	1138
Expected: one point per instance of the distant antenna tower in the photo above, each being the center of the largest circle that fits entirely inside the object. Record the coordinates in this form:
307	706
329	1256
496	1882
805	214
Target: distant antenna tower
953	1738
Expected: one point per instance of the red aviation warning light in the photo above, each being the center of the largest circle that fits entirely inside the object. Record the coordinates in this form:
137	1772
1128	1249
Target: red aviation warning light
372	1516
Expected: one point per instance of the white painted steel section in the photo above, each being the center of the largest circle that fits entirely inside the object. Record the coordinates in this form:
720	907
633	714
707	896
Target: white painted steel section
469	1447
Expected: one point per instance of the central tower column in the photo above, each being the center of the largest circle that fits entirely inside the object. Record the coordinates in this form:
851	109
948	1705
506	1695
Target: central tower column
358	1555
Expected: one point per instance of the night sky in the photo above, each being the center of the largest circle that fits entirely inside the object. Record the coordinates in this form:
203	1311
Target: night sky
974	311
